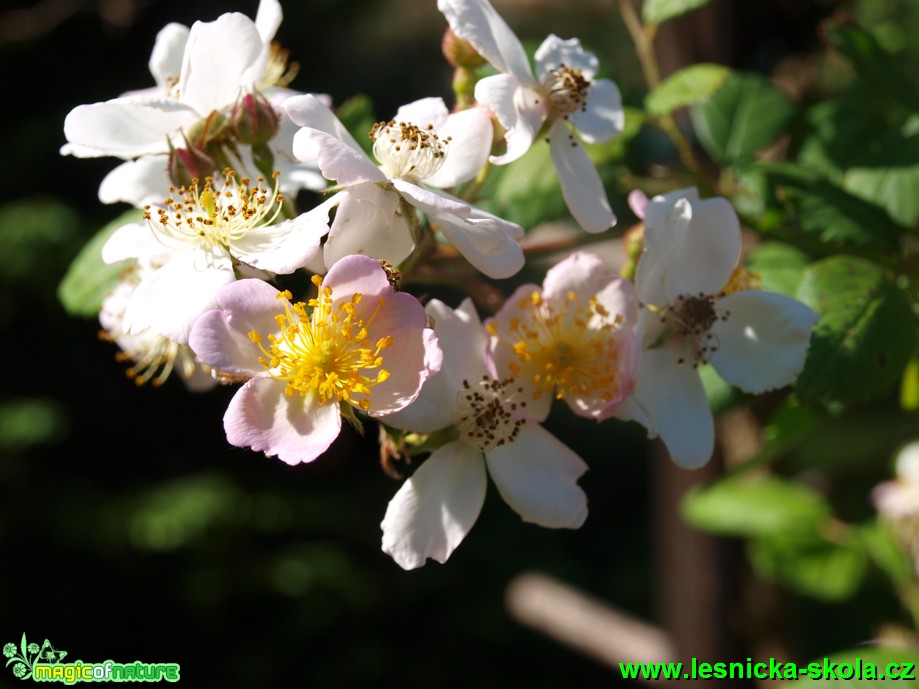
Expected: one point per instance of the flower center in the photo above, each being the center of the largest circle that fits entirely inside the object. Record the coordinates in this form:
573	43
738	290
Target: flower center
326	351
486	413
571	349
216	215
405	150
690	318
566	90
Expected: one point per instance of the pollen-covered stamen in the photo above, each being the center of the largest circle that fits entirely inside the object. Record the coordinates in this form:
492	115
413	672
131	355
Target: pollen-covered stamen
488	412
570	349
742	280
153	358
216	213
325	351
690	318
566	90
406	150
278	71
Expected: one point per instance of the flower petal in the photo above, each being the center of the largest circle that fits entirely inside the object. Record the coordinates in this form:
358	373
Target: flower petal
762	344
581	185
138	182
430	201
663	239
135	240
166	58
489	244
267	19
424	112
554	52
537	476
471	134
604	117
413	358
433	511
519	110
336	159
217	57
675	407
477	22
295	429
368	222
126	127
220	338
310	111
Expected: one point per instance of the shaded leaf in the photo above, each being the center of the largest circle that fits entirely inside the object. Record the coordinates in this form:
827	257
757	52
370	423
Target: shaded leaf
780	267
658	11
688	86
843	664
888	175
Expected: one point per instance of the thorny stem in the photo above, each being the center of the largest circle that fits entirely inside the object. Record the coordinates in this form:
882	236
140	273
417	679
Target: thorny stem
643	38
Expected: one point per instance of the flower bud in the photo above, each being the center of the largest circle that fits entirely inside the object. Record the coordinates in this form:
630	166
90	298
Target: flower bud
459	52
255	121
186	164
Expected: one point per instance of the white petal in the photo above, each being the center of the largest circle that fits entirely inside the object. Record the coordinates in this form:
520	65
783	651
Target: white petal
581	185
519	110
135	240
166	58
554	52
217	56
336	160
295	429
287	246
173	296
471	134
126	127
663	239
268	19
489	245
672	398
424	112
537	476
431	201
604	117
311	111
477	22
368	222
433	511
763	342
138	182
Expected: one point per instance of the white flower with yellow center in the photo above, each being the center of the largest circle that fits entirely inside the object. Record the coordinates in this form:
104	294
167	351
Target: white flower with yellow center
201	236
570	339
489	420
358	343
562	101
424	148
700	308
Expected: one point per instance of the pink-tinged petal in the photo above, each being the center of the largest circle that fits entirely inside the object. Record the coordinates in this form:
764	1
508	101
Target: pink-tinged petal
581	185
335	159
604	117
131	241
287	246
369	221
537	476
138	182
628	358
312	112
268	19
519	110
638	201
170	299
432	202
582	273
424	112
216	59
489	245
618	297
126	127
295	429
763	342
166	58
471	134
363	275
433	511
412	359
477	22
710	250
675	406
462	340
220	338
663	242
555	52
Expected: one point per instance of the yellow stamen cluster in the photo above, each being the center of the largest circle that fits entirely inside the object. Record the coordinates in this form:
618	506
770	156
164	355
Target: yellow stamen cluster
571	349
217	214
742	280
406	150
325	351
278	71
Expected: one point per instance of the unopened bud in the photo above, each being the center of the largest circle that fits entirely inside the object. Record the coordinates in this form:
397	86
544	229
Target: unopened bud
186	164
459	52
255	121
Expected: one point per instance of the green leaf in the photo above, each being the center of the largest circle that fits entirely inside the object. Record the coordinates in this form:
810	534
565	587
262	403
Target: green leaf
879	659
876	67
744	116
888	175
809	564
887	552
659	11
89	279
909	385
829	213
526	191
780	267
357	114
688	86
745	506
865	335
